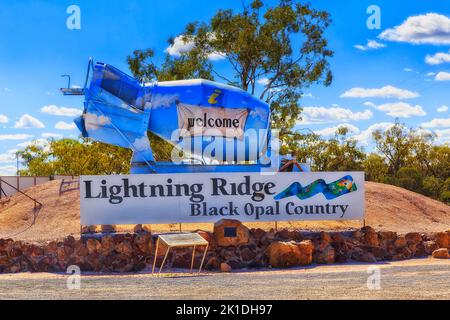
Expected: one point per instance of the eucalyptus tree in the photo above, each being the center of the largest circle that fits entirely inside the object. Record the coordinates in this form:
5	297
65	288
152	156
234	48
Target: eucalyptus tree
274	52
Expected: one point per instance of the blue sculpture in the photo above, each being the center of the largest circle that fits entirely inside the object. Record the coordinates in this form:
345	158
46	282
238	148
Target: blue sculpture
197	116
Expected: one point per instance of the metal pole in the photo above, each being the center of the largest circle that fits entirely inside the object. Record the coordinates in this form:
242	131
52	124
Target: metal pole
164	260
17	162
192	261
17	172
1	190
18	190
203	259
156	254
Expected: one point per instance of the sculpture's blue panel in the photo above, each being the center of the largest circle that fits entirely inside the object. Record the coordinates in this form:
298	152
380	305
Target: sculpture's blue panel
113	112
167	97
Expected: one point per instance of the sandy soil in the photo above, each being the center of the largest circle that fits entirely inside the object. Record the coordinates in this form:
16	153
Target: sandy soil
387	208
410	279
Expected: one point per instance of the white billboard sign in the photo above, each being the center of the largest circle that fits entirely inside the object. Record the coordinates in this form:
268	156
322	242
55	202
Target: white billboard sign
209	197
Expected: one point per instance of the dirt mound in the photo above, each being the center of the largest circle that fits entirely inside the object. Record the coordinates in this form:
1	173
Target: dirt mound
387	208
58	217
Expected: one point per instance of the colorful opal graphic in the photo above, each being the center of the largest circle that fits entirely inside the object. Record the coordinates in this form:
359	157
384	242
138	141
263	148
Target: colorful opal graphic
331	190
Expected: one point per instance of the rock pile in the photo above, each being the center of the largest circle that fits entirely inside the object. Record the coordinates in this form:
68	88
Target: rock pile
118	253
232	246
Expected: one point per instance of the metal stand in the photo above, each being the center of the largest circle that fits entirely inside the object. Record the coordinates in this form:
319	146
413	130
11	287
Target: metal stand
178	241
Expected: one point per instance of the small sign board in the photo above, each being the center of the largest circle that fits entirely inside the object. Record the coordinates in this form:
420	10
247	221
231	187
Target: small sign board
183	239
230	232
178	240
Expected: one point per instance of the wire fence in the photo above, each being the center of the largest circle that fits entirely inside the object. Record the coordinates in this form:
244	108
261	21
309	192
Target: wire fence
9	185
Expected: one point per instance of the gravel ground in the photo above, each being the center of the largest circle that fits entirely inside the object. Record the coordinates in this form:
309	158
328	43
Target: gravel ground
411	279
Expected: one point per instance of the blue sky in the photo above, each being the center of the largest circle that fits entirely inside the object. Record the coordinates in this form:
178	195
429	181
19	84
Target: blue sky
400	70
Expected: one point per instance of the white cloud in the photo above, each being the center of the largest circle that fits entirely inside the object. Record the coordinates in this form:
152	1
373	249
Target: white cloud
215	56
442	108
371	45
366	136
443	136
369	104
438	58
332	130
259	112
19	136
141	144
383	92
61	125
430	74
162	100
27	122
407	69
442	76
51	135
8	170
93	121
435	123
401	109
7	157
43	143
61	111
3	119
180	46
330	115
263	81
430	28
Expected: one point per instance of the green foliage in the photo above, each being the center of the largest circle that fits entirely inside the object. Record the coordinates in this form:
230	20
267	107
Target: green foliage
445	197
162	150
405	158
413	161
446	185
340	153
74	157
445	193
187	66
410	178
395	145
375	167
432	187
